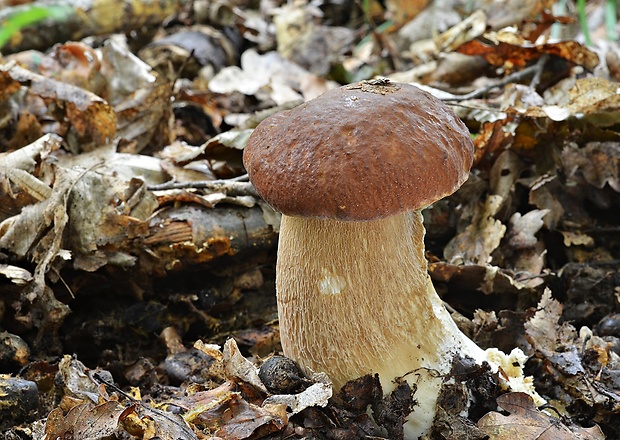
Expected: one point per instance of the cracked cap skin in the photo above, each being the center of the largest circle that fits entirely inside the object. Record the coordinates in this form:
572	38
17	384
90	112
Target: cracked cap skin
360	152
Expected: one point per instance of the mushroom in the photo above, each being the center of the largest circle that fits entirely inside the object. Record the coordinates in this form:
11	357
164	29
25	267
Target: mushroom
351	171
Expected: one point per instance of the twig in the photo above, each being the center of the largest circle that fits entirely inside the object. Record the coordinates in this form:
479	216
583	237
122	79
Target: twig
100	379
62	280
232	187
535	69
537	74
528	276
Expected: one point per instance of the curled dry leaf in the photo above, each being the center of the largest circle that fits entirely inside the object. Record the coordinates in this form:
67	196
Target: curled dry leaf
308	44
593	99
75	380
317	394
20	188
219	157
544	331
511	55
124	71
268	76
238	368
193	48
165	426
478	241
105	212
212	350
145	118
19	233
230	417
17	275
90	116
523	228
26	157
525	251
525	422
543	194
466	30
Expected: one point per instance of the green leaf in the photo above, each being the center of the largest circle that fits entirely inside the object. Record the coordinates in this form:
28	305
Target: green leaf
30	15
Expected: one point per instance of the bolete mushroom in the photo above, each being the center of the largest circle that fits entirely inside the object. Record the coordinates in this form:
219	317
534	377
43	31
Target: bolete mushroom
351	171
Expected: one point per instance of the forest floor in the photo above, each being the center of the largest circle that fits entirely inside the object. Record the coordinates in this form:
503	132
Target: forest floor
137	262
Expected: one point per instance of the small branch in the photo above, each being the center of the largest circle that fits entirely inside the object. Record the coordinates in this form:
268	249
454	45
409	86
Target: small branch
535	69
537	74
98	378
232	187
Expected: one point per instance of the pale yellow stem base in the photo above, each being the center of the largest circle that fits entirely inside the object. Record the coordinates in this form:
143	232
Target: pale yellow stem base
355	298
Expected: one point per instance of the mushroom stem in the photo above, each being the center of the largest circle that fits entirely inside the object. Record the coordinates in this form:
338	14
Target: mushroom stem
362	302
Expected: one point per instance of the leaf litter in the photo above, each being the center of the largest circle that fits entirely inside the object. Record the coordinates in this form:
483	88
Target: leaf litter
129	232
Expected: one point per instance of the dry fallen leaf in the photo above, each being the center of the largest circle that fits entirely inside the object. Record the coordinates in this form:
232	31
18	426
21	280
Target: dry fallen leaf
268	76
544	331
317	394
598	162
90	116
478	241
84	227
402	11
306	42
525	422
84	421
592	99
231	417
238	368
512	55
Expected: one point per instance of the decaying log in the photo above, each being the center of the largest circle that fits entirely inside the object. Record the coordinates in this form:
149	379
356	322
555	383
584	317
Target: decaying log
189	235
72	20
89	218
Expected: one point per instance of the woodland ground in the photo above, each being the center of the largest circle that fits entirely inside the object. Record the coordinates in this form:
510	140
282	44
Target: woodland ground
132	246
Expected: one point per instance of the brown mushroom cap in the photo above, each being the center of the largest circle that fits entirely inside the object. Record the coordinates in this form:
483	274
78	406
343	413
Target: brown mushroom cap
360	152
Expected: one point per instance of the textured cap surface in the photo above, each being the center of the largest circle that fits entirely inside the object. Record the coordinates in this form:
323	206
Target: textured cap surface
360	152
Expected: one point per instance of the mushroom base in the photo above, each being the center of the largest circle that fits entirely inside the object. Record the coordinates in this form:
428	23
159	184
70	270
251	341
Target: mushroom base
355	298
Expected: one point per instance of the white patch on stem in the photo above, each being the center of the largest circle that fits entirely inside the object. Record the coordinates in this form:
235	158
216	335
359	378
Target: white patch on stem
331	284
